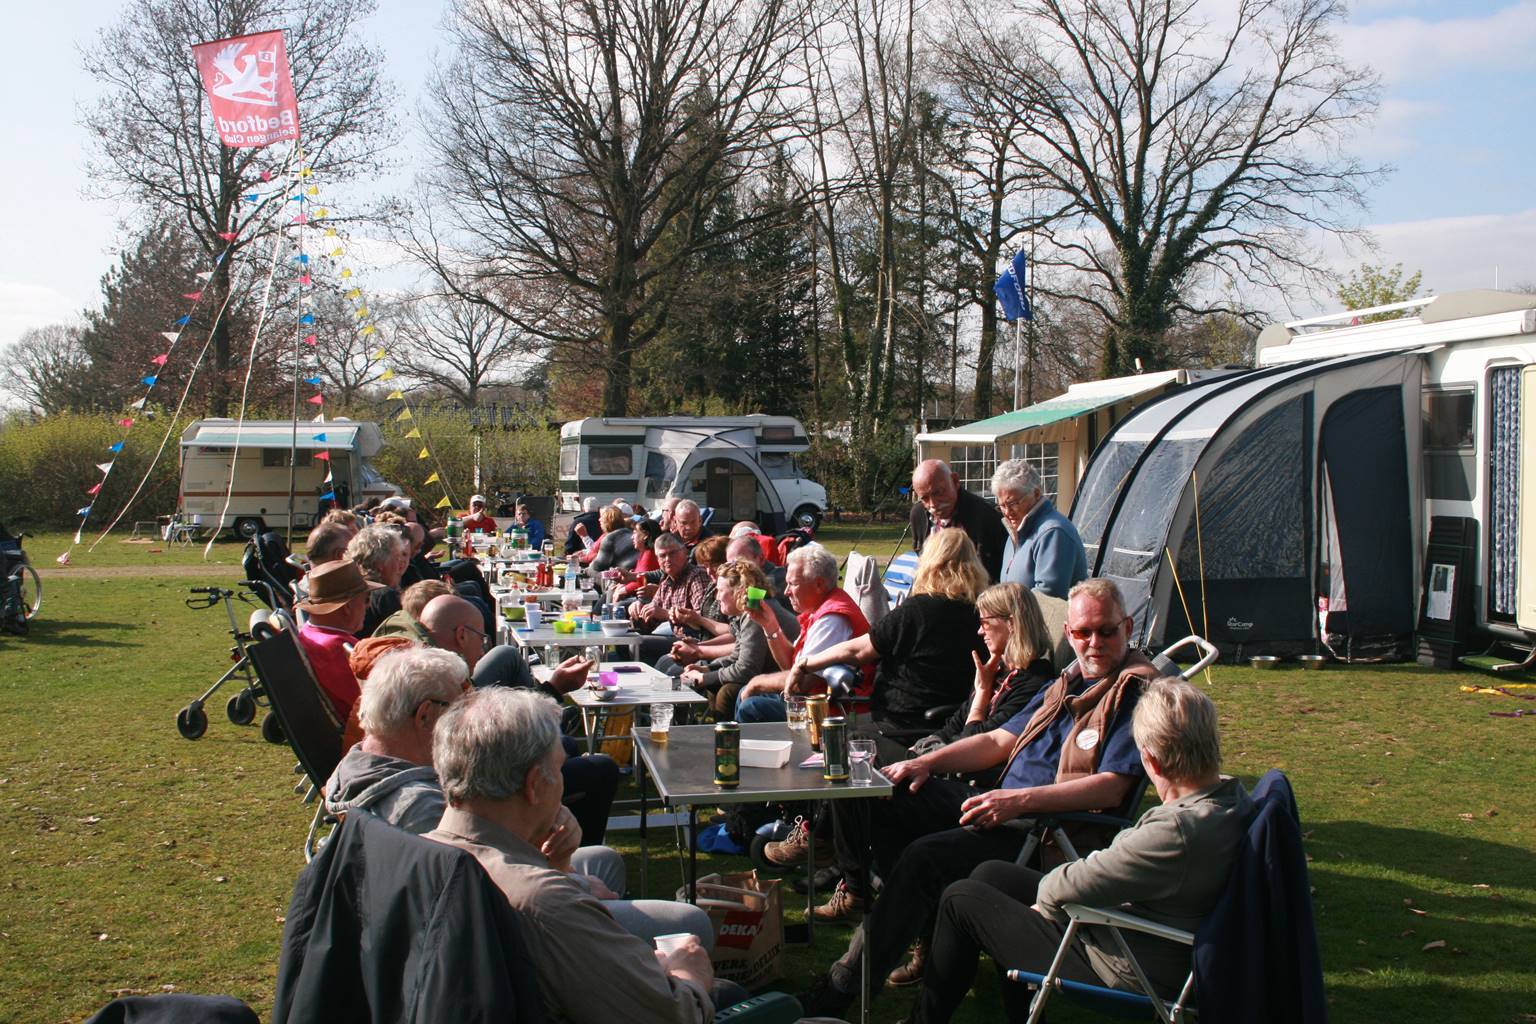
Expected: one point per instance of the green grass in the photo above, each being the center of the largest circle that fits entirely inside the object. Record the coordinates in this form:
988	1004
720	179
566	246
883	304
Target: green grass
182	854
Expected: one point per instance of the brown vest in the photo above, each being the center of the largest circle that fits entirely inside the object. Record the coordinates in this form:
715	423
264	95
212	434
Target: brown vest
1092	711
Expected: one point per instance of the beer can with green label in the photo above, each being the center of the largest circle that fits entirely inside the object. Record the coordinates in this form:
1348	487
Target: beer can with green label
834	749
728	754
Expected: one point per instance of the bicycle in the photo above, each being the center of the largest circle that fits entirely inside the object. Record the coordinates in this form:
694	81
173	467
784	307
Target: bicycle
192	720
22	595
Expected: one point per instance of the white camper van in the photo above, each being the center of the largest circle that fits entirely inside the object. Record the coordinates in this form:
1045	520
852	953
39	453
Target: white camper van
741	466
258	498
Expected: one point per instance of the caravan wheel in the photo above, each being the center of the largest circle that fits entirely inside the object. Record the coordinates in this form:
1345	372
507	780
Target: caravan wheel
248	528
807	517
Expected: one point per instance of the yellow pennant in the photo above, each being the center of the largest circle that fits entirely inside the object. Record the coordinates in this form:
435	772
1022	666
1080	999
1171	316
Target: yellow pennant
313	190
355	293
445	503
380	354
306	172
388	375
396	394
430	480
415	432
338	251
423	454
329	232
369	329
347	272
322	212
362	312
405	414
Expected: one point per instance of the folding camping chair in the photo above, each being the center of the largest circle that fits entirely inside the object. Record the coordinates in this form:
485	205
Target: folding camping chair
899	575
1236	976
1056	825
305	713
266	565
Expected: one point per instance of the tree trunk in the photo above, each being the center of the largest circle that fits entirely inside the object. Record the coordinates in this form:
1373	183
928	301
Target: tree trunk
986	349
617	369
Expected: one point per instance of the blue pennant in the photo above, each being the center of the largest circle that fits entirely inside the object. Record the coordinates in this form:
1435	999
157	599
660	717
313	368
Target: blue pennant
83	511
312	380
307	318
115	447
328	496
253	197
183	321
319	437
303	258
150	380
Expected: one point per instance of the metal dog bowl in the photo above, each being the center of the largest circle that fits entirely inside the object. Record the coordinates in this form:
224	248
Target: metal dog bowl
1314	662
1264	661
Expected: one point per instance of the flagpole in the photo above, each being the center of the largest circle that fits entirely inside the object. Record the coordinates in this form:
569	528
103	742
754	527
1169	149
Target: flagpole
1018	367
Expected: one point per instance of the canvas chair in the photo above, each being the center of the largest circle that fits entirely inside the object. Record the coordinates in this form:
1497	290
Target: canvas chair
899	575
305	713
1241	976
861	580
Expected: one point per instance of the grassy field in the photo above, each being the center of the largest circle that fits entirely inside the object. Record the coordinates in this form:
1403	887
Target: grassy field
135	860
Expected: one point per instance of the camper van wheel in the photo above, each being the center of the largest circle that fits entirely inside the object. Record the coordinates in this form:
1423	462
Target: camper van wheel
807	518
192	721
272	730
248	528
241	708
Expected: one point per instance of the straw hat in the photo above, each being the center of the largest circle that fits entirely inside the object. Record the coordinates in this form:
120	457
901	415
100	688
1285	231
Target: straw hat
332	585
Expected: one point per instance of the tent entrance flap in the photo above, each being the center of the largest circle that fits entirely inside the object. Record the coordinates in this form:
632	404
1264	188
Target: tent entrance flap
1363	451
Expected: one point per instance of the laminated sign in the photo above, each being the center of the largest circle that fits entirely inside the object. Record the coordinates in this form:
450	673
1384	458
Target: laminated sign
748	917
249	89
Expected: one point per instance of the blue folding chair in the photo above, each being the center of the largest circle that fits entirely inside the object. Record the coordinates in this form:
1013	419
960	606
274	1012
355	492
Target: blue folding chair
899	575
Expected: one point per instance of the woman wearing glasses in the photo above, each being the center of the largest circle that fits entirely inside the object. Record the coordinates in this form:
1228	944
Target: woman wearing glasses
1044	551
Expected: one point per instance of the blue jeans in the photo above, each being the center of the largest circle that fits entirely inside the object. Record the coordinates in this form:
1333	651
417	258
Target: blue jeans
761	708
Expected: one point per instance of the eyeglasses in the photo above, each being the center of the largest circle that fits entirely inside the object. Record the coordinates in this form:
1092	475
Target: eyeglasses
477	633
1013	502
1102	632
439	703
994	618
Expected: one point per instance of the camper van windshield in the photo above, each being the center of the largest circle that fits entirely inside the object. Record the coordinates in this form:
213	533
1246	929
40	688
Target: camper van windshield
778	465
660	471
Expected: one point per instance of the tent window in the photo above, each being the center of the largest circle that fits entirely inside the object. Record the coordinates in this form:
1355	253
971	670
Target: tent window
275	458
660	471
611	460
974	464
1449	444
1044	458
1109	471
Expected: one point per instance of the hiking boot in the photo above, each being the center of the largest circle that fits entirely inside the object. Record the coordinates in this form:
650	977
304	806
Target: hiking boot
911	972
844	907
825	999
794	849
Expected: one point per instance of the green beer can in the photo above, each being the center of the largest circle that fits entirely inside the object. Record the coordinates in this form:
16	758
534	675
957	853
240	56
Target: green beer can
728	755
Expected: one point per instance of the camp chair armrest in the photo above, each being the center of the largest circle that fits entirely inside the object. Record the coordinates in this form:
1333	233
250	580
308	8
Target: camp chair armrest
940	713
1074	818
1120	919
1166	665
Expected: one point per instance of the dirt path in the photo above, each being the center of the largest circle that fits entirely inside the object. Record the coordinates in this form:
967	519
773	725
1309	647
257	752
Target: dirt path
102	572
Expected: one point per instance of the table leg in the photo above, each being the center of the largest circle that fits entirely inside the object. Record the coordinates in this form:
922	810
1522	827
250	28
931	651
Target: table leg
693	854
645	845
589	726
810	877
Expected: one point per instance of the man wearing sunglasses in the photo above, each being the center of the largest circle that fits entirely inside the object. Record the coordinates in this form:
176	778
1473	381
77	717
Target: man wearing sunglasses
1069	749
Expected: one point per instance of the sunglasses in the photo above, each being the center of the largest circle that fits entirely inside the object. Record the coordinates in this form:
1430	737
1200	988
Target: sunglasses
1102	632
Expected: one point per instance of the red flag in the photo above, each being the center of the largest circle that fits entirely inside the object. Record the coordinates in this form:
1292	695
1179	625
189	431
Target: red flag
93	490
317	400
160	359
194	296
323	455
229	236
309	339
125	423
249	89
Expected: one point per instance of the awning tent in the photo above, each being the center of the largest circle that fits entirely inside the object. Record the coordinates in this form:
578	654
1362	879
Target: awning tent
305	436
1230	506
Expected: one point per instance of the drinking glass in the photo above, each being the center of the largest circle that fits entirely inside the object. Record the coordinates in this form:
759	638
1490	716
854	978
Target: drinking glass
661	721
861	762
794	707
547	549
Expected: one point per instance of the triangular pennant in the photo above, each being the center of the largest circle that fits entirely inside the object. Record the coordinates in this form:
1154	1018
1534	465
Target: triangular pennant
205	275
115	448
329	232
387	375
309	339
183	321
94	490
301	219
194	296
304	279
378	354
338	252
445	503
313	190
150	380
405	414
307	301
306	172
83	511
399	395
430	480
125	423
266	175
136	405
346	272
328	496
313	380
355	293
368	330
322	212
323	456
170	336
307	319
303	259
105	467
319	437
424	454
319	418
160	359
229	236
317	400
362	312
414	432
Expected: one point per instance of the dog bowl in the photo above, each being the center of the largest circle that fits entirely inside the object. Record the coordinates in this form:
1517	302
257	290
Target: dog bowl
1264	661
1313	661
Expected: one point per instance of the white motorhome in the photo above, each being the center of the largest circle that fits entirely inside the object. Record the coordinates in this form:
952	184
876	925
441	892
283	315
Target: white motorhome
1368	489
741	466
258	492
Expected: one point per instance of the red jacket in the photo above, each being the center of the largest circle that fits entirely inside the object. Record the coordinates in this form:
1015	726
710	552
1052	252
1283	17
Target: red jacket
839	603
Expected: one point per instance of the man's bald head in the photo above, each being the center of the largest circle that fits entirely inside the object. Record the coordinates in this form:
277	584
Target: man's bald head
745	549
934	485
455	625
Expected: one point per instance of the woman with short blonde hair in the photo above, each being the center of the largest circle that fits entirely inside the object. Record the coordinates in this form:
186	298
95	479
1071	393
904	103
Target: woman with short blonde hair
949	567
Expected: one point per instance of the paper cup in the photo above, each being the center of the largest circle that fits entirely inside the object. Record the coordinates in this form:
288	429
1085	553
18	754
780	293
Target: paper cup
672	943
534	614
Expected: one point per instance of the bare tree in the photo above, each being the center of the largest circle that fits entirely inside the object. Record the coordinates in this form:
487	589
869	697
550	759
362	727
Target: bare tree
160	150
342	353
581	143
48	369
459	347
1186	151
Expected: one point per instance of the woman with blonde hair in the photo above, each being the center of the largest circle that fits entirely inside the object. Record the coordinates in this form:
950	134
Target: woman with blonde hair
616	548
722	678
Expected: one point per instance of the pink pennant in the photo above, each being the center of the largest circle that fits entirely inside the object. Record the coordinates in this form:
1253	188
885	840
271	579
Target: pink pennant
125	423
94	490
160	359
266	175
304	279
317	400
194	296
323	455
309	339
229	236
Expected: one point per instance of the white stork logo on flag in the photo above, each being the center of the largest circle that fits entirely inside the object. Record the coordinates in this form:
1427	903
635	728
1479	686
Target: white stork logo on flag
246	78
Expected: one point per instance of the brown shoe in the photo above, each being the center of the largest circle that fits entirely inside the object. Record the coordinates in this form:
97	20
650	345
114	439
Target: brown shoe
911	972
844	906
794	849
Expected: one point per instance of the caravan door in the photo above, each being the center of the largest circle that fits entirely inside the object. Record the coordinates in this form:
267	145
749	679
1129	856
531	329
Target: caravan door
1525	532
733	485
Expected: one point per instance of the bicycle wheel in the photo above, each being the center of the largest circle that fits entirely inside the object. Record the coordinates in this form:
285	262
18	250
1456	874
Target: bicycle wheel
31	588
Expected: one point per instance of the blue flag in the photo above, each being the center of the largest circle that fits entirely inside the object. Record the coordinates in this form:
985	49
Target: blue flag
1010	290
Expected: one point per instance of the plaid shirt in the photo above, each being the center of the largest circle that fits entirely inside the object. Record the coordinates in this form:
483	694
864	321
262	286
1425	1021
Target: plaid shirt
689	592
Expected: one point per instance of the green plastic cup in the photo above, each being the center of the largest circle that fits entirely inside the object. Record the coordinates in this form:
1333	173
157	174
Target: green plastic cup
755	596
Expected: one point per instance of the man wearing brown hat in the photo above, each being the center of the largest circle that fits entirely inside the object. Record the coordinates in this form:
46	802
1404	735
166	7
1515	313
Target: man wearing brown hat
337	603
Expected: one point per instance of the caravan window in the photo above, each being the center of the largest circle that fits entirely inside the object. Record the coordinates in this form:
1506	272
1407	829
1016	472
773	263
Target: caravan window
611	460
277	458
1449	444
569	457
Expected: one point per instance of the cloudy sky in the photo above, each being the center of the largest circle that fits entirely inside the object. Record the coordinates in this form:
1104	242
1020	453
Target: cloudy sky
1459	85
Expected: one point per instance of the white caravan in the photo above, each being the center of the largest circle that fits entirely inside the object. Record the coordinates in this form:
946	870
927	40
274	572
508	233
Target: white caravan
741	466
258	493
